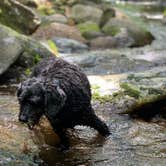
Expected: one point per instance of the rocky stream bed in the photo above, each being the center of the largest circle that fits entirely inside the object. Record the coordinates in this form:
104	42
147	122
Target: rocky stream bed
120	79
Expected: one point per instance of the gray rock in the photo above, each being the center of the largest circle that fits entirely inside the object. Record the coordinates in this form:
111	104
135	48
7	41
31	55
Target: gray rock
18	54
69	46
10	49
139	36
19	17
82	13
58	30
54	18
103	42
119	41
124	39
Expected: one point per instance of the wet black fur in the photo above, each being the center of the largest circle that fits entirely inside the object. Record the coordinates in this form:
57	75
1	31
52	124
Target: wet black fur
61	92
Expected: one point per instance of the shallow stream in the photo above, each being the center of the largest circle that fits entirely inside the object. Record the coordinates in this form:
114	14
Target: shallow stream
132	142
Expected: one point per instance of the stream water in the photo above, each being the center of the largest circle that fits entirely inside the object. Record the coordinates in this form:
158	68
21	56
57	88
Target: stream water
132	142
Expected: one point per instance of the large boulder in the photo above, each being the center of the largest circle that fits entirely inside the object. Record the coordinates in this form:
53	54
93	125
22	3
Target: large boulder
30	3
82	13
58	30
10	48
116	27
18	55
17	16
122	39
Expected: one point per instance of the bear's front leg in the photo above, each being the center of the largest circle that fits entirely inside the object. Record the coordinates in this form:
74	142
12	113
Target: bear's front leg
61	132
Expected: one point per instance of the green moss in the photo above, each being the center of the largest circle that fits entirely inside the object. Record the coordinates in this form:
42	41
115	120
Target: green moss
36	58
111	30
44	10
95	87
101	99
27	72
52	46
88	27
130	89
96	95
164	13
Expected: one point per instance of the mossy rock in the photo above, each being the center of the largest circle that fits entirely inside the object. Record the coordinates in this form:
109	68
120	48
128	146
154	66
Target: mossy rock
30	3
148	89
10	48
130	89
138	34
81	13
46	10
88	28
111	30
107	14
21	18
19	54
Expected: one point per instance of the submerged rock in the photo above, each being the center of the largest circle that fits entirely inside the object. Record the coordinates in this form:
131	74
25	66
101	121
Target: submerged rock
19	17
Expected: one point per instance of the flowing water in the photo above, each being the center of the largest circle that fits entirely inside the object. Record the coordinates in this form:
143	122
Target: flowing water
132	142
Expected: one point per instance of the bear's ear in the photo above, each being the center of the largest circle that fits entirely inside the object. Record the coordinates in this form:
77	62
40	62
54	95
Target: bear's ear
55	99
21	93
